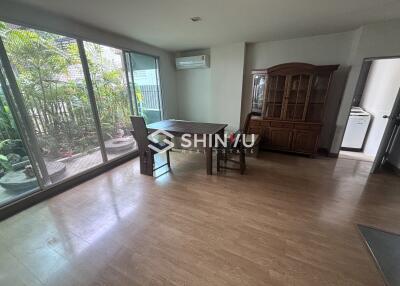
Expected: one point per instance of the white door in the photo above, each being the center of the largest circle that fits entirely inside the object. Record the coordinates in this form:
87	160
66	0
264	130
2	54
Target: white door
388	135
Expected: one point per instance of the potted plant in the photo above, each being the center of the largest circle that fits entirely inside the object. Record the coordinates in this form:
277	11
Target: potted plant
4	165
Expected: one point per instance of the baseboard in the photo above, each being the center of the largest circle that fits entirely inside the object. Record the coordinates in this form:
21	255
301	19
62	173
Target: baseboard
351	149
389	166
333	155
325	152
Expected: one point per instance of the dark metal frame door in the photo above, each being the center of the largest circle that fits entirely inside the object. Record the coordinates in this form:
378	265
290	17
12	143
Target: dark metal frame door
388	136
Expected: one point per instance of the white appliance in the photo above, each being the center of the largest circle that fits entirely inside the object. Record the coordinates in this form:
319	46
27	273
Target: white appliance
356	128
195	62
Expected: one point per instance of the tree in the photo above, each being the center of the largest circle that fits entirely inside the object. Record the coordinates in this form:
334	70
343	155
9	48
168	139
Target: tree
49	74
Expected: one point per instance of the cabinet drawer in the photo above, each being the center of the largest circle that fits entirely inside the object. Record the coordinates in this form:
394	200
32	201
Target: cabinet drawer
255	123
305	141
279	138
305	126
281	124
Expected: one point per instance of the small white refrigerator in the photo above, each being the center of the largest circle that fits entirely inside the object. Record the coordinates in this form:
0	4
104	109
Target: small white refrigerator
356	129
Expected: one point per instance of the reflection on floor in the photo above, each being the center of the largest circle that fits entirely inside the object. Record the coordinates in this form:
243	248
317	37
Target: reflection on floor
289	221
356	156
6	195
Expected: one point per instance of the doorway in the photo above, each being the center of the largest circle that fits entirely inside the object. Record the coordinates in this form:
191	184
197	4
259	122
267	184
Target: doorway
143	73
374	111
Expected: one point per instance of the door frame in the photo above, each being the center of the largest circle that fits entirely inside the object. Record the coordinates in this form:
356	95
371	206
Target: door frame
128	58
92	99
360	86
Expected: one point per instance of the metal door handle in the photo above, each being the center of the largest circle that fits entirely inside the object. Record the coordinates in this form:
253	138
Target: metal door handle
391	117
388	117
395	118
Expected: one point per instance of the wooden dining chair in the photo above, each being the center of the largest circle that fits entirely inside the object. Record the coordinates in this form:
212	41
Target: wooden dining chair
246	130
225	154
246	124
140	133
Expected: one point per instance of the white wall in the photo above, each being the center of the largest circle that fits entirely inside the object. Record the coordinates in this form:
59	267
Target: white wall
28	15
227	84
379	94
194	93
318	50
214	94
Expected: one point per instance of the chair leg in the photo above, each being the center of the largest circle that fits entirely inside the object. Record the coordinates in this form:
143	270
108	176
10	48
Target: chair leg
242	161
148	164
218	160
257	150
168	161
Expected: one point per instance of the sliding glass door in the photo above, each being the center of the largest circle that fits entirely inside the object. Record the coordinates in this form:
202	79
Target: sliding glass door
50	79
108	76
144	73
17	177
65	106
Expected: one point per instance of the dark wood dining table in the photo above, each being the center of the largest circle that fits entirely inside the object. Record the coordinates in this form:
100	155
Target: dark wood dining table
180	127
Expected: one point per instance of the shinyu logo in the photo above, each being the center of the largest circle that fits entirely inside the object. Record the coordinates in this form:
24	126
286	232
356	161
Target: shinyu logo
158	146
161	141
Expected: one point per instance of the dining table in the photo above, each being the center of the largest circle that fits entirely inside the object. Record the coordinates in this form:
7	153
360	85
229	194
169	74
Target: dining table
180	127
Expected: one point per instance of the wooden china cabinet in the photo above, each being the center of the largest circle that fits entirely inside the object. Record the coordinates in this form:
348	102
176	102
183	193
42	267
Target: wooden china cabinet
288	106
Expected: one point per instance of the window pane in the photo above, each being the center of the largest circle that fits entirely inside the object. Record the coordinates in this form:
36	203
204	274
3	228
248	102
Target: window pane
147	86
17	178
50	77
107	71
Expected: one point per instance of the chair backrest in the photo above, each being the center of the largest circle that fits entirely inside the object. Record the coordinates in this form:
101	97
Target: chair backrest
246	124
140	132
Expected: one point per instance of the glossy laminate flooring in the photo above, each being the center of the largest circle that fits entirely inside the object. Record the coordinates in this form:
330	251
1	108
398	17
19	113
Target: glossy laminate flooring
289	221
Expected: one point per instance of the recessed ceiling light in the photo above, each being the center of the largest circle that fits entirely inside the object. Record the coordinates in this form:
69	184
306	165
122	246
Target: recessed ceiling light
195	19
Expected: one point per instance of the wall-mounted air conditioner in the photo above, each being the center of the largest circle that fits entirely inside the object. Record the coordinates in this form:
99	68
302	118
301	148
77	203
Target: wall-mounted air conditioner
195	62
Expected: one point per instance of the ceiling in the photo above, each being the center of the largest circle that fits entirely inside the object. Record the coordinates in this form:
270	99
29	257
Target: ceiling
167	24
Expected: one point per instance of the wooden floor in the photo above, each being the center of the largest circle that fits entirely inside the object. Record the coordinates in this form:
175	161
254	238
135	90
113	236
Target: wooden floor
289	221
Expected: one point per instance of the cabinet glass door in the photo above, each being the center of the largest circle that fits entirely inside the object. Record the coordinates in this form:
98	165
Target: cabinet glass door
317	98
297	97
259	82
275	95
